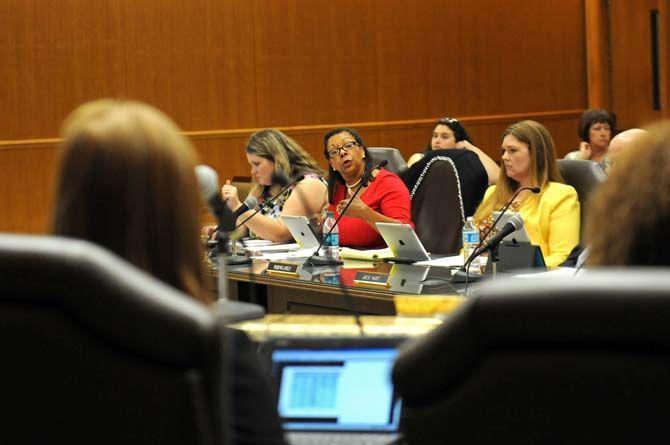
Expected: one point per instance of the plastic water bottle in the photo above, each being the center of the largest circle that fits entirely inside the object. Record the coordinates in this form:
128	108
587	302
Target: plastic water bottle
470	242
331	245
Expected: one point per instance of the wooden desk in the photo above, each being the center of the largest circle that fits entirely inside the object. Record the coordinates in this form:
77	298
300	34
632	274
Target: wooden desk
322	290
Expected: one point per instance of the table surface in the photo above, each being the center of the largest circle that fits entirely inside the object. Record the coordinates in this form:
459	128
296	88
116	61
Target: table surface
402	278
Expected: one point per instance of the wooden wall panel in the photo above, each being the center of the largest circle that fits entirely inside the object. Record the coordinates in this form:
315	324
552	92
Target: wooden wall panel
464	58
631	61
223	68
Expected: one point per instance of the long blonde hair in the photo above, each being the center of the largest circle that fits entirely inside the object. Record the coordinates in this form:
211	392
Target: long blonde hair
288	156
127	183
543	167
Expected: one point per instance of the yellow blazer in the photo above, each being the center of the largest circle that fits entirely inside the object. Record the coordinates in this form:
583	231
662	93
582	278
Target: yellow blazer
551	219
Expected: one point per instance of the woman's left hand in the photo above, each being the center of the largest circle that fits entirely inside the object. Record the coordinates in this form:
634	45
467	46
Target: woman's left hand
357	209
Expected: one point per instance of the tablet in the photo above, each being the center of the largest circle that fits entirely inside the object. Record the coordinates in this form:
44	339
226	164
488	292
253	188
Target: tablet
301	231
403	242
518	236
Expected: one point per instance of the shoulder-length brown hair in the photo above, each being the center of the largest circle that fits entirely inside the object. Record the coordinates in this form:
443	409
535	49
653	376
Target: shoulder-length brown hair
127	183
288	156
629	217
543	167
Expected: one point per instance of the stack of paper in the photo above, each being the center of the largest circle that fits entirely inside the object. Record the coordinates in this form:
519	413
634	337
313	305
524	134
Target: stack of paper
367	255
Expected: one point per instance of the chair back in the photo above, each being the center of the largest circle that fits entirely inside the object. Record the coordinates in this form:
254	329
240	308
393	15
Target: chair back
576	361
437	207
97	351
585	177
396	163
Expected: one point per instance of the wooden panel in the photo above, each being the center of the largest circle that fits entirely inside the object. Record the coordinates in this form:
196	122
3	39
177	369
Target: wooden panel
314	61
55	56
632	63
486	57
192	59
26	188
222	68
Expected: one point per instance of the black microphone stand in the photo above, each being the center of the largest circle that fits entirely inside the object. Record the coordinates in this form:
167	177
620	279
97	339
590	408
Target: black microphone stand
462	275
322	260
223	235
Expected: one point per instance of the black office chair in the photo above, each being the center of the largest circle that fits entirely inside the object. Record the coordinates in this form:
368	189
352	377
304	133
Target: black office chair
578	361
585	177
437	207
96	351
396	163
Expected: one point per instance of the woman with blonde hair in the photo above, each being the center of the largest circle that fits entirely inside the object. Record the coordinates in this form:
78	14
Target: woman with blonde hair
634	200
273	155
127	182
551	217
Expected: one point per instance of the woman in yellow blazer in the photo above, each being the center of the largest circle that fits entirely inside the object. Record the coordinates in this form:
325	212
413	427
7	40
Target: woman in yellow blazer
551	218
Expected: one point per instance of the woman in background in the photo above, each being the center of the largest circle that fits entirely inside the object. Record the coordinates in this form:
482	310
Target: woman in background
644	210
274	155
450	134
551	218
127	182
384	199
596	128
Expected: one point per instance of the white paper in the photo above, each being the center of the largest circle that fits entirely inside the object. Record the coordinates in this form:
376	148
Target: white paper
559	272
447	261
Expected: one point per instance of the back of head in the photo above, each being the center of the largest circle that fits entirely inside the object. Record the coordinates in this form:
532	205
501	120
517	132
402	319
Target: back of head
630	214
127	182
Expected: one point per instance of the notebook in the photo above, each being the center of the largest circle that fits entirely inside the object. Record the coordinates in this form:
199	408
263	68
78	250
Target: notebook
336	390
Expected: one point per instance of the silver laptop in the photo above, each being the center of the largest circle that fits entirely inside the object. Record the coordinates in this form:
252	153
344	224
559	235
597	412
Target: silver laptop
518	236
301	231
403	242
336	390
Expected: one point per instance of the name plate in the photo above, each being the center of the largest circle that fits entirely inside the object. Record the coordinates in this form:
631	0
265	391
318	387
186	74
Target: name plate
281	268
376	279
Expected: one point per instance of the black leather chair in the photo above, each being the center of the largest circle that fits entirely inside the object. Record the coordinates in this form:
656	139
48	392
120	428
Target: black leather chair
96	351
437	207
396	163
585	177
578	361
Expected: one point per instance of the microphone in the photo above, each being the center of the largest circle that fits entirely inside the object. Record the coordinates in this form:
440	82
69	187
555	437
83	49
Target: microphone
208	181
461	275
515	223
251	203
318	260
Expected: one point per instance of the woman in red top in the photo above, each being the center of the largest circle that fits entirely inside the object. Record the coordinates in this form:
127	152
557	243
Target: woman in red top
385	199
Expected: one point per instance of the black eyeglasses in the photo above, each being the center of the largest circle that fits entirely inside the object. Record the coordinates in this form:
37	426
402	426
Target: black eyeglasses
346	147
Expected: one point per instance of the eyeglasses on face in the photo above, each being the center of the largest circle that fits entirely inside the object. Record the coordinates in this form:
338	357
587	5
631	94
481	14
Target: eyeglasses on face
346	147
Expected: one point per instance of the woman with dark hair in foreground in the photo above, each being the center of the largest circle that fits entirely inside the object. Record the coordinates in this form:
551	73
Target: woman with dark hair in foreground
127	182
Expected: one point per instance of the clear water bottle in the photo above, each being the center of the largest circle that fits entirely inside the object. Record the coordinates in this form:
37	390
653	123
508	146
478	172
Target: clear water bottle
331	245
470	242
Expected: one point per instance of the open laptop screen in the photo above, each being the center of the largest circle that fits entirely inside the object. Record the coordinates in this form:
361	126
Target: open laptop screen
347	389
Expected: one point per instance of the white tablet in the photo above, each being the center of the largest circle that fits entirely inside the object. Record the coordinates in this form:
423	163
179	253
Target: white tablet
402	240
301	231
518	236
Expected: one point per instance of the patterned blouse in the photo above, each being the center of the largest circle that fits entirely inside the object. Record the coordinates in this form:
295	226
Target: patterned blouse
274	211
